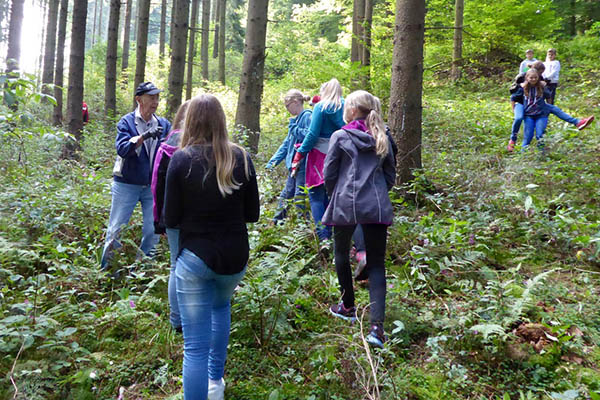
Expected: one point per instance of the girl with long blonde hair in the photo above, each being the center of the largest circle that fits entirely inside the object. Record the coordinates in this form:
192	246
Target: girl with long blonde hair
211	194
359	171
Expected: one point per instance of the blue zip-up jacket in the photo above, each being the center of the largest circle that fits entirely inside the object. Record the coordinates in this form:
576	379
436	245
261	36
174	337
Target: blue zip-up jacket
534	106
298	128
137	170
324	123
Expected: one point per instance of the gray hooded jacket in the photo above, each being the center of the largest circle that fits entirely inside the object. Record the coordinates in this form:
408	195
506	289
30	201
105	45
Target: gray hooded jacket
357	180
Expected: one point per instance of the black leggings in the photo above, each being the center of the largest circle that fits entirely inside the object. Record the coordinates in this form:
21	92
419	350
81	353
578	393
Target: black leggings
375	240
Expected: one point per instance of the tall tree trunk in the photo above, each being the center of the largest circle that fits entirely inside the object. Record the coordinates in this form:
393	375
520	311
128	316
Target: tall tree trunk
573	18
50	50
76	65
163	28
205	35
222	25
407	86
217	22
191	49
365	58
100	27
126	35
142	41
172	25
136	19
459	7
110	82
93	35
247	117
178	56
358	17
13	54
44	4
60	59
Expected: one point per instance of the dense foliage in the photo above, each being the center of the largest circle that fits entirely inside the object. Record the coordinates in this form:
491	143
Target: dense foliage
492	266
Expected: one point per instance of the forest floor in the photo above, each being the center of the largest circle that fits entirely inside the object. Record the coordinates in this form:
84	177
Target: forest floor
493	275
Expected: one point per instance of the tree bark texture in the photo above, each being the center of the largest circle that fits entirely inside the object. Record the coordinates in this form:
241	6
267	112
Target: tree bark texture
459	7
365	58
110	78
142	41
191	50
247	118
222	24
126	35
205	36
60	59
358	17
76	65
217	22
407	86
172	25
50	47
178	56
13	54
163	29
136	19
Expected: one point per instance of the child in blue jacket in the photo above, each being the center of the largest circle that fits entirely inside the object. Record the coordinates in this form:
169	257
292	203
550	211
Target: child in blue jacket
298	127
532	95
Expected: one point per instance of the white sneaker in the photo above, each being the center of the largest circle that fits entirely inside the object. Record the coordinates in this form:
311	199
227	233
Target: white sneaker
216	389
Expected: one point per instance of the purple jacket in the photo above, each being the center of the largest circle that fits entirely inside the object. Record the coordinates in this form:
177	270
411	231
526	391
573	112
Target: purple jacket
357	179
159	176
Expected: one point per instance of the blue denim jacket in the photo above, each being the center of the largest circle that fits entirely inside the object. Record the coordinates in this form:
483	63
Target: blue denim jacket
297	130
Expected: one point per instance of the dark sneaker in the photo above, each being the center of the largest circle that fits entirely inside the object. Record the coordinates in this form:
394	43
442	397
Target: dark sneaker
511	145
376	338
349	314
584	123
325	248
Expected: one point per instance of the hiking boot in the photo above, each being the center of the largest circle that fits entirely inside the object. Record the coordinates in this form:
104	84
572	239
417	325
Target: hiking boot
349	314
511	145
584	123
325	248
216	389
361	262
376	338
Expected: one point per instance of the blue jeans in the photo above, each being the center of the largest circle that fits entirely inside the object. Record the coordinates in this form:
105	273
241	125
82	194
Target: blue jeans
552	109
173	239
519	115
318	204
294	189
204	302
537	123
124	199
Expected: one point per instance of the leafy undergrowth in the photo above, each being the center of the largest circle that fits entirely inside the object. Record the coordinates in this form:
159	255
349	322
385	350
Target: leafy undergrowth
492	275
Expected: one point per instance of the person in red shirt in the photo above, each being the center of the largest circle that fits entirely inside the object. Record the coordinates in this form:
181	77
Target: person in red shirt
86	114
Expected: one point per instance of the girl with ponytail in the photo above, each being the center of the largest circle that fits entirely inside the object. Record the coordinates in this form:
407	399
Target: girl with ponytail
359	171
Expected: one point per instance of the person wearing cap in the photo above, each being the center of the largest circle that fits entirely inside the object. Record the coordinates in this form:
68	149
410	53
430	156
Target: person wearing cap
138	137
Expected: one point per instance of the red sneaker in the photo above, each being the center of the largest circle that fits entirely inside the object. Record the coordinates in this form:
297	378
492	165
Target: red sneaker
584	123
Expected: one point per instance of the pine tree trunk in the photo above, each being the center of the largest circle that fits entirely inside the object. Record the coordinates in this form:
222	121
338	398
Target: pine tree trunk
163	29
222	24
136	19
60	59
191	49
217	22
93	35
366	48
247	117
44	4
459	7
13	54
173	12
407	86
358	17
75	92
178	56
142	41
100	27
126	36
50	48
205	36
110	82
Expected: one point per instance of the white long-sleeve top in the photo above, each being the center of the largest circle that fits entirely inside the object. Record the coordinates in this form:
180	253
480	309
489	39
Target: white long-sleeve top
552	70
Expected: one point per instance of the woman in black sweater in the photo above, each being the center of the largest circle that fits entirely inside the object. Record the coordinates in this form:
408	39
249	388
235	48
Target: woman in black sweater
211	194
